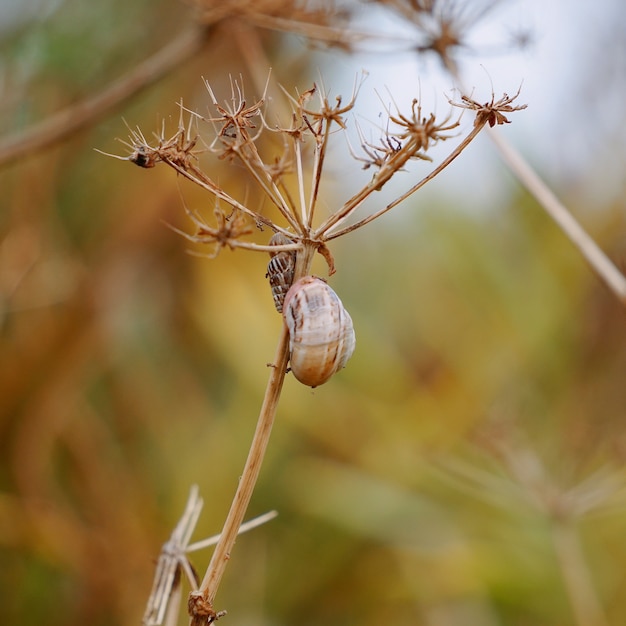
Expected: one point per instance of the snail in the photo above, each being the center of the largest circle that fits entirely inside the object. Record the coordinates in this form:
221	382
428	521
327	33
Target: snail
321	335
280	269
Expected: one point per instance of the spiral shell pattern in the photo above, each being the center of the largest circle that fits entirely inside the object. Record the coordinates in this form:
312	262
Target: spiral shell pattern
280	270
321	334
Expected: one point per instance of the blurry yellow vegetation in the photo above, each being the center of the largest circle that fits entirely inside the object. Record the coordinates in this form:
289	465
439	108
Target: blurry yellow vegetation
130	369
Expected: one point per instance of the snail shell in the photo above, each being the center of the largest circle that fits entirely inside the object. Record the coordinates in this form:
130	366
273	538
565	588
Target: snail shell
321	335
280	270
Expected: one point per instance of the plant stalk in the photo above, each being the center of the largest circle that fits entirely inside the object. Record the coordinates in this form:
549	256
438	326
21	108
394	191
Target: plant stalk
211	581
201	602
591	252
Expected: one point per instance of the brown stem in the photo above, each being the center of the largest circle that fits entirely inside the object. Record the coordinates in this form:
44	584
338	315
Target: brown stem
318	166
62	124
211	581
591	252
201	602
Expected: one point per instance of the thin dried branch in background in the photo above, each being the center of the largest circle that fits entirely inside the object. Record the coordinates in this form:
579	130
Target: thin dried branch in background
64	123
562	508
323	23
173	561
599	262
441	26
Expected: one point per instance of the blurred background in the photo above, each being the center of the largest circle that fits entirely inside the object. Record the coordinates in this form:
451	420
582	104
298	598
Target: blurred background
467	467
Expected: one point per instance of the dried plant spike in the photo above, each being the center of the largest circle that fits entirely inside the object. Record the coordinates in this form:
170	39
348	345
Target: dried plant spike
280	269
173	561
321	334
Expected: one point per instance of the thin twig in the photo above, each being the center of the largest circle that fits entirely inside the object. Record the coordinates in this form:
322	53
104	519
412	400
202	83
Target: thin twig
244	528
70	120
526	175
592	253
171	560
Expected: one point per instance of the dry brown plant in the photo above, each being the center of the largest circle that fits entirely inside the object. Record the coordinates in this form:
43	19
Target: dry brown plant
234	131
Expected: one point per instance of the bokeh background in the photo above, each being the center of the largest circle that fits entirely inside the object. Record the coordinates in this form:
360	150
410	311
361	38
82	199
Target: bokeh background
468	465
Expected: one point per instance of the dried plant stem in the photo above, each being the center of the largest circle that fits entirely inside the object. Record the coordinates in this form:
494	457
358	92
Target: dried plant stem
583	599
198	177
318	166
597	259
269	187
210	583
72	119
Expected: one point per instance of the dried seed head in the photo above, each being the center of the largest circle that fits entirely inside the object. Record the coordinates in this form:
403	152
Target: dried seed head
280	270
321	335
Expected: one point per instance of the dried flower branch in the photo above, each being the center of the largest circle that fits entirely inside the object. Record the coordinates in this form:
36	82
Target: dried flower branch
173	560
441	26
562	508
324	23
522	478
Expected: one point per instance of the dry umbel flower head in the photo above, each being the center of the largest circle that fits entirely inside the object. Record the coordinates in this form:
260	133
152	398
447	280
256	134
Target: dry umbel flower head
301	229
235	129
491	112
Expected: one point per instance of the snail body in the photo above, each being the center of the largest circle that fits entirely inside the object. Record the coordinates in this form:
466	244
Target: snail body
321	334
280	269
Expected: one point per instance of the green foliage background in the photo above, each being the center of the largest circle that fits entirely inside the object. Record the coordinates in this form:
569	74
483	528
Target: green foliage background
431	482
